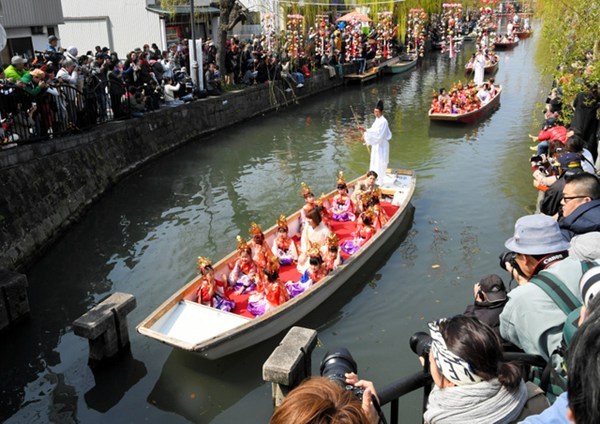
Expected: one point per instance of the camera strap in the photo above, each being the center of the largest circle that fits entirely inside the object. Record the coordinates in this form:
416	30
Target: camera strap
548	260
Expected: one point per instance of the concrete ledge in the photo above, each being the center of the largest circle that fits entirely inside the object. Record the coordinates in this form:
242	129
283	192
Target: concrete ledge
290	362
105	326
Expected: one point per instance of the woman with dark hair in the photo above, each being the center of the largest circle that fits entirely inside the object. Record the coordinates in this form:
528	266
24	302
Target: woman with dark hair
314	233
472	383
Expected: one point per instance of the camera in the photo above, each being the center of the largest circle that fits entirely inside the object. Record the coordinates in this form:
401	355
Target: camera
420	343
336	364
511	258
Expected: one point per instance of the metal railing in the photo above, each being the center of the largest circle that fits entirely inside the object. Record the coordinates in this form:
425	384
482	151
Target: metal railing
60	110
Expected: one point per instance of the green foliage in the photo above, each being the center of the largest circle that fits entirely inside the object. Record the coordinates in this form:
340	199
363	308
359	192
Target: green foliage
571	29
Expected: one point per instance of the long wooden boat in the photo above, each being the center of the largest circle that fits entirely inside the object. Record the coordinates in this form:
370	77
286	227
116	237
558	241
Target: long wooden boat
489	69
469	117
401	66
505	46
526	33
183	323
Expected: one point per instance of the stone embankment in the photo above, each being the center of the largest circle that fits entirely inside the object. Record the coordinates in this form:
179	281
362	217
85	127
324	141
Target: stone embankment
44	187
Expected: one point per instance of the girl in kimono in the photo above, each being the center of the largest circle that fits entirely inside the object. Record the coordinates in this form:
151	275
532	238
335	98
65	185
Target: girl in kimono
331	257
284	247
361	235
211	292
341	205
381	217
273	293
313	274
243	277
309	202
260	249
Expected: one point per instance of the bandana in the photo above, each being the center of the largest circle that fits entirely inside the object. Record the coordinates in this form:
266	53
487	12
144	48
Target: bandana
454	368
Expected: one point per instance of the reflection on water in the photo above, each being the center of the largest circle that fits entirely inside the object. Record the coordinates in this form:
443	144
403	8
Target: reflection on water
144	235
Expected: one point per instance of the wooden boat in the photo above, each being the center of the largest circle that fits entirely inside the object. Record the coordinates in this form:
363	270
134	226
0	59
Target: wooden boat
526	33
401	66
183	323
469	117
368	75
505	46
489	69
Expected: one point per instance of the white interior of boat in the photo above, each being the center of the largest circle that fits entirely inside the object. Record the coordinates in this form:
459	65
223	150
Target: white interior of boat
192	322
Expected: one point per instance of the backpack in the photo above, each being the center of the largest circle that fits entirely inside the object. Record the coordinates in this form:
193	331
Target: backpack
548	379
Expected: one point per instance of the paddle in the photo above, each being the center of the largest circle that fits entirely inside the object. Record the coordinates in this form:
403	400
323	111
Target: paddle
359	127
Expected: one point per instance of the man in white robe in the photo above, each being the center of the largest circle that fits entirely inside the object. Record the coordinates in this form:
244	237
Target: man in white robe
378	137
479	68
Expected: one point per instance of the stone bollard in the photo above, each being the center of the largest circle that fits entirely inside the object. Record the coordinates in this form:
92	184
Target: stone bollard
290	362
14	302
105	326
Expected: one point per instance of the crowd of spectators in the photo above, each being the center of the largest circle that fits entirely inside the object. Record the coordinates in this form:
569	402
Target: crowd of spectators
61	90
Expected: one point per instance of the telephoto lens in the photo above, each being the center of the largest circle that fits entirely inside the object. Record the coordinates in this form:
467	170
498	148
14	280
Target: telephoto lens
336	364
420	343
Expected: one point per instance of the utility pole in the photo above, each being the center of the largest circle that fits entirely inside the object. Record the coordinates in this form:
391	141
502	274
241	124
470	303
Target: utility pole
194	60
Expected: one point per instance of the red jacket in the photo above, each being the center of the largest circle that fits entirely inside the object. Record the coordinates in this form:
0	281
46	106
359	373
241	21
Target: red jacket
554	133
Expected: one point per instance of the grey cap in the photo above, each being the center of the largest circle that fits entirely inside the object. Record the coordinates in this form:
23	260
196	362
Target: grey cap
18	60
53	38
537	235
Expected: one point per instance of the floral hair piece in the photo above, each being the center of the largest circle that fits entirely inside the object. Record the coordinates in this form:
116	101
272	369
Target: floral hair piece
332	240
306	190
314	251
202	264
340	179
255	229
242	244
282	222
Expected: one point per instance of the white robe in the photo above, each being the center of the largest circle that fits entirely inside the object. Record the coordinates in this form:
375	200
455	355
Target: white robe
378	137
479	69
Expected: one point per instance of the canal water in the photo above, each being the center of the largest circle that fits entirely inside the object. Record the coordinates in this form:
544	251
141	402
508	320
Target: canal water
144	235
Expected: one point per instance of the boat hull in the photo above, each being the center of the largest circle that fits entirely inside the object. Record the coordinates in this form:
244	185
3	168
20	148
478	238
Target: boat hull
248	332
400	67
469	117
505	46
487	70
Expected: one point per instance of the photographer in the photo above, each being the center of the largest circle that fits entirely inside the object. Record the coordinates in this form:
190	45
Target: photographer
322	401
472	384
490	298
531	319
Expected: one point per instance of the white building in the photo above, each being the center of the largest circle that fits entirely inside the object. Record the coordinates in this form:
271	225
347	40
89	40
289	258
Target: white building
28	23
123	25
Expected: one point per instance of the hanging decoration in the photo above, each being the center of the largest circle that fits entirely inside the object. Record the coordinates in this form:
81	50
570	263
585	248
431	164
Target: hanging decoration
384	35
416	32
268	31
295	36
451	17
322	36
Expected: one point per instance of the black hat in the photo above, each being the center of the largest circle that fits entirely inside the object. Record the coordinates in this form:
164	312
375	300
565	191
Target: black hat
493	286
379	105
101	55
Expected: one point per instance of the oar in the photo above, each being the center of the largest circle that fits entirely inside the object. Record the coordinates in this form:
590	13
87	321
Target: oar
358	127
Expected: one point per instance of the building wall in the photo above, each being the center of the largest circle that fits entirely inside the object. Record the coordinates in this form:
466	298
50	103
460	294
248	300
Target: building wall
121	25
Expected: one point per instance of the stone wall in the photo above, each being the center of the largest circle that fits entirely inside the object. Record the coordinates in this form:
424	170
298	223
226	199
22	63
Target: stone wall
46	186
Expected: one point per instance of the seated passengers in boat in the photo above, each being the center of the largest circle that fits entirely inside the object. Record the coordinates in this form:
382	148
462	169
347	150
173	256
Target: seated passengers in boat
315	272
271	294
364	231
260	249
211	292
361	187
331	257
341	204
315	232
284	247
484	94
493	89
243	277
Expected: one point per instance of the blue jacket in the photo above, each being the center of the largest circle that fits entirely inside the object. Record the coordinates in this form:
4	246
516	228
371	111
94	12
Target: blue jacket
556	414
584	219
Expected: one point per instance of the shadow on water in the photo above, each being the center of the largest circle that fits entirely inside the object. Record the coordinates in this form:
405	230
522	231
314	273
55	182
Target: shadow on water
210	387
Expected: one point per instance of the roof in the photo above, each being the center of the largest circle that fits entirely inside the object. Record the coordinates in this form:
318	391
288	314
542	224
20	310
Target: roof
200	6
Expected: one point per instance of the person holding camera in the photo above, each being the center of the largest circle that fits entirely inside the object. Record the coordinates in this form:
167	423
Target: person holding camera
472	382
531	319
490	298
569	164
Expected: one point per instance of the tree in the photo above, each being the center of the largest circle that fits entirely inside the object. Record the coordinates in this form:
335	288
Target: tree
230	13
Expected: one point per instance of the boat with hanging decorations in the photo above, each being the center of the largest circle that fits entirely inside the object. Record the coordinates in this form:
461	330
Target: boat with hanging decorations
184	323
